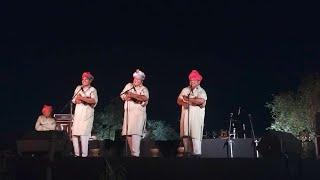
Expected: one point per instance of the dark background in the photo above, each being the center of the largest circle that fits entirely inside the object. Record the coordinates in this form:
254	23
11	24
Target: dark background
245	50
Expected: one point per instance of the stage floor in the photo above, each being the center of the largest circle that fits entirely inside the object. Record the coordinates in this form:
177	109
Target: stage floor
34	168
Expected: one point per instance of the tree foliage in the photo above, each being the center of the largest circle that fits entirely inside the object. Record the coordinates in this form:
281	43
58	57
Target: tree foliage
110	119
161	131
295	111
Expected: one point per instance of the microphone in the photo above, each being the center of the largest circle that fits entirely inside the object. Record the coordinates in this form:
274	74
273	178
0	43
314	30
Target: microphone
82	89
239	110
191	91
134	88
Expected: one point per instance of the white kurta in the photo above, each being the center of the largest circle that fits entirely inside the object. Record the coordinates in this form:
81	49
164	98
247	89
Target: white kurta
84	113
196	117
45	123
135	114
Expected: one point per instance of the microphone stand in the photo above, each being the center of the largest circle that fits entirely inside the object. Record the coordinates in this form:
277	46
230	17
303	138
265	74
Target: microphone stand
254	137
71	108
127	119
127	90
186	150
230	142
65	106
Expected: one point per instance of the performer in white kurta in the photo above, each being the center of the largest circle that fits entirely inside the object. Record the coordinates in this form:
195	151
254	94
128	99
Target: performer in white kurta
135	97
192	100
85	98
45	121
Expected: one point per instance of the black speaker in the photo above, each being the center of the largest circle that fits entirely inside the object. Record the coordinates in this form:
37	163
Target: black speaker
37	142
221	148
243	148
214	148
317	123
317	140
275	144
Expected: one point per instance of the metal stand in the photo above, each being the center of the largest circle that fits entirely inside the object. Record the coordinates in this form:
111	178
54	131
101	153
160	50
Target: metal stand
255	141
244	131
316	145
230	141
127	120
66	124
186	149
71	103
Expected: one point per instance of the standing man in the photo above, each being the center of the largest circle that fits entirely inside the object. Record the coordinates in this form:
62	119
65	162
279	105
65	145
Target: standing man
135	97
85	98
192	100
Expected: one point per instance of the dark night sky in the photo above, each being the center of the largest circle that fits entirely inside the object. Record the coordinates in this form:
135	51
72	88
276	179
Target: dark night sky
246	51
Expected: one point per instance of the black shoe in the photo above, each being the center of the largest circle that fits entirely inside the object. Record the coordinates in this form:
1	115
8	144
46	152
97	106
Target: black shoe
196	156
187	155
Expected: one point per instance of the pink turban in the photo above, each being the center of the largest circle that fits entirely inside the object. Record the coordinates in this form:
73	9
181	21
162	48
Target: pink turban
139	74
195	75
87	75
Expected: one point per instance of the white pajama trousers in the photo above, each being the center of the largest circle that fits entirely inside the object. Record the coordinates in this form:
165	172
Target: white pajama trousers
135	145
84	145
196	145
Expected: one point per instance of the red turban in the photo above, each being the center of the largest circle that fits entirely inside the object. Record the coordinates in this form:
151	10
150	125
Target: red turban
47	108
87	75
195	75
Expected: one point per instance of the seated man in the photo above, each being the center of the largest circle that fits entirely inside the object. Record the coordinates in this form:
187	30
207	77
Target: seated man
45	121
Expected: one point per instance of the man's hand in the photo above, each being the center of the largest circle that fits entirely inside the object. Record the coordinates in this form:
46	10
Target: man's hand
130	94
185	98
193	101
78	99
126	98
136	97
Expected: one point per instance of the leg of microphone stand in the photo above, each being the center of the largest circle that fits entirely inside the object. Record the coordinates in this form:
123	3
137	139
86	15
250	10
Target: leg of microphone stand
256	147
127	146
254	137
70	131
231	147
127	122
229	139
316	146
71	104
186	150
